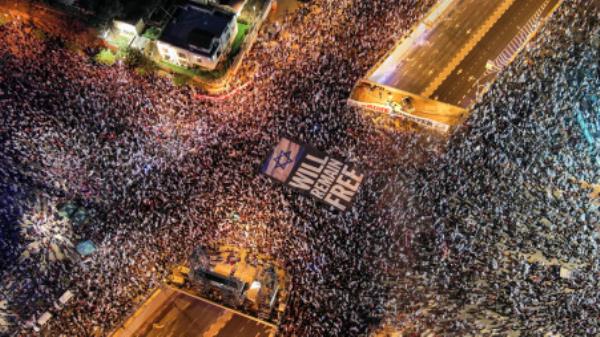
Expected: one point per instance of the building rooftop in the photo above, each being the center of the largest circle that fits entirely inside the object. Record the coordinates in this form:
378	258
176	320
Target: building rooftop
196	28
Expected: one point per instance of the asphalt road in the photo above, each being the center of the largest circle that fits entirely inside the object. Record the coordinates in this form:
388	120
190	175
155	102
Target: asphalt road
418	60
460	88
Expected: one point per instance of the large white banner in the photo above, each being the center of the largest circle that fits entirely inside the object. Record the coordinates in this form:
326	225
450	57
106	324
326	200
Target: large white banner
313	173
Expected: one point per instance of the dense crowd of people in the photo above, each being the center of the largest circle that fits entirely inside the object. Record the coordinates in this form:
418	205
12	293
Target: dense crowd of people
448	244
509	205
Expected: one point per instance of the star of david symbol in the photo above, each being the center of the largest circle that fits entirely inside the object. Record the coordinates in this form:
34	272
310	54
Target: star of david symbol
283	159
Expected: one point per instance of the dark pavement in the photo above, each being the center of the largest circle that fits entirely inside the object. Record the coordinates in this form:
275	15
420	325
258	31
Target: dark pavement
430	52
460	88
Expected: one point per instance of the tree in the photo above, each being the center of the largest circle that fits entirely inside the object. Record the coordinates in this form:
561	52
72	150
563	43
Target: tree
106	57
137	60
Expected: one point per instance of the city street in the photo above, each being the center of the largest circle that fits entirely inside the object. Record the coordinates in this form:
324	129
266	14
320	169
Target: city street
418	60
447	61
460	88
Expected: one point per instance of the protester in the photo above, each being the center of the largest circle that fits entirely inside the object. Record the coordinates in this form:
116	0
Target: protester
432	243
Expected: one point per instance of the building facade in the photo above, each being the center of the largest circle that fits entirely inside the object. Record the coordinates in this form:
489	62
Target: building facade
197	36
129	29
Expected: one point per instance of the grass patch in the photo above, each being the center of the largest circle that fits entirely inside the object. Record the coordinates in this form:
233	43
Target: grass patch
205	74
211	74
106	57
141	71
120	41
239	37
122	53
151	33
179	69
181	79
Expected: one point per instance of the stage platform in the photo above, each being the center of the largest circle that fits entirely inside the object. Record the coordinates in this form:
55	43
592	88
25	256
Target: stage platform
172	312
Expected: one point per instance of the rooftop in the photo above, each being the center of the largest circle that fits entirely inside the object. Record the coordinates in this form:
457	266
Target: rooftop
195	27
